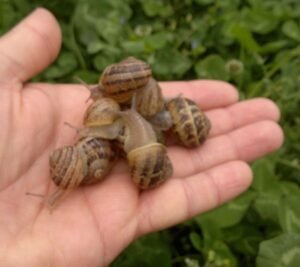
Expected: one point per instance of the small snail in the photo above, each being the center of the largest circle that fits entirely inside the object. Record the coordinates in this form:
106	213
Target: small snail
101	119
101	112
85	163
148	159
190	124
119	81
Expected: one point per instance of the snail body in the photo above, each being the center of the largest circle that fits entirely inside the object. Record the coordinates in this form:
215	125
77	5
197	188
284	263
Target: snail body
190	124
121	80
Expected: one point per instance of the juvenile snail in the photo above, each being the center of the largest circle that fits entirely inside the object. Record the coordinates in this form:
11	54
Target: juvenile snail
190	124
85	163
148	159
120	80
101	119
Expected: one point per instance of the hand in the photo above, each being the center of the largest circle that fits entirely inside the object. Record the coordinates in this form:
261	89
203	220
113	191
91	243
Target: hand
94	224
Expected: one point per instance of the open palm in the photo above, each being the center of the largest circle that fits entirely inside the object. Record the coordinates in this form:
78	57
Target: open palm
95	223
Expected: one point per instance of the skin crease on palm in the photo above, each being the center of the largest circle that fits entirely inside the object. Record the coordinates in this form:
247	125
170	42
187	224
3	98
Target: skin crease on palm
92	225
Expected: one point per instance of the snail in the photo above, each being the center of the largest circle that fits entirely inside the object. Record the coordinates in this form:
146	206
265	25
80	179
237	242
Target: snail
120	80
148	159
190	124
85	163
101	119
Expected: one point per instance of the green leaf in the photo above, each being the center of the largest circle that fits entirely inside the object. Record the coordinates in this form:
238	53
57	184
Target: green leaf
148	251
212	67
219	254
273	46
204	2
244	237
259	20
95	47
87	76
156	7
158	41
196	241
264	174
167	63
245	37
281	251
231	213
267	202
102	61
65	64
289	213
291	29
133	47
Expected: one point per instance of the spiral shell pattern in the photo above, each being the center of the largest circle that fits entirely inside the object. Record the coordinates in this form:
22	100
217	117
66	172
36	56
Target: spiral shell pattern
67	168
190	124
149	100
99	158
101	112
150	165
122	79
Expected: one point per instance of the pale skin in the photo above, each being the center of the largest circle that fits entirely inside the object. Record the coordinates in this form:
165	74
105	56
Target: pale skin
92	225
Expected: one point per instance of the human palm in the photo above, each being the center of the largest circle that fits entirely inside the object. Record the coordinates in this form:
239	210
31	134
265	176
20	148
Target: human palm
93	224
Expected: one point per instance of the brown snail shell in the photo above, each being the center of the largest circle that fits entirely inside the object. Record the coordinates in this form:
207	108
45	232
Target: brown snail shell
190	124
149	100
85	163
101	120
150	165
101	112
122	79
99	158
67	167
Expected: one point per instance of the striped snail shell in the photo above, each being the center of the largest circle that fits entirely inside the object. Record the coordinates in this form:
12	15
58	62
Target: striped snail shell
101	119
148	159
99	158
149	100
150	165
67	167
122	79
85	163
190	124
101	112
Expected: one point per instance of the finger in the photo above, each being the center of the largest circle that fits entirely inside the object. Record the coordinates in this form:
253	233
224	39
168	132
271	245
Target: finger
31	46
247	143
209	94
240	114
204	191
